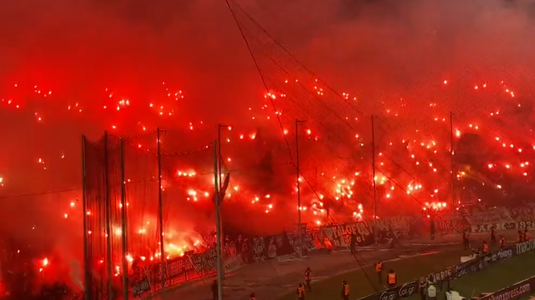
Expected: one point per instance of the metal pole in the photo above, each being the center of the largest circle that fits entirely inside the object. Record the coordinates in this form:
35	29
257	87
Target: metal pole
452	153
220	187
219	156
109	233
218	226
298	175
160	209
123	225
220	180
88	291
373	182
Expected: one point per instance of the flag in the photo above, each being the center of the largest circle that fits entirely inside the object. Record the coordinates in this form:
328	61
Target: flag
223	189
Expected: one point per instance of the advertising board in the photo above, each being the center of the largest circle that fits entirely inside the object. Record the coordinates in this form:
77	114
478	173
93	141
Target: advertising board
461	269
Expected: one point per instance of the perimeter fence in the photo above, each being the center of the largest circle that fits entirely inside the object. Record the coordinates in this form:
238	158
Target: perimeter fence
138	197
129	206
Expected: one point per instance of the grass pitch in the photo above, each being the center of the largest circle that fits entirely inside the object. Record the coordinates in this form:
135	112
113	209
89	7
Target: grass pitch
495	277
364	282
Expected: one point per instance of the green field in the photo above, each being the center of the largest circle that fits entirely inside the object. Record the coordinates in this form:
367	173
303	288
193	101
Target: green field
496	277
406	269
527	297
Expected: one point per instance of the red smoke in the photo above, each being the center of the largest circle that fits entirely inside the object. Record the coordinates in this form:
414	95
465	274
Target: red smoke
61	63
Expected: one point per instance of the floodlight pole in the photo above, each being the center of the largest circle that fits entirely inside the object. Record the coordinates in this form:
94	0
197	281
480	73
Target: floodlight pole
124	243
107	202
374	183
452	153
160	208
88	291
218	225
220	156
298	175
220	182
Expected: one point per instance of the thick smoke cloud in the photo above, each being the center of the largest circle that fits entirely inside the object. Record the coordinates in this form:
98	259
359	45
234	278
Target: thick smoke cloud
416	38
379	49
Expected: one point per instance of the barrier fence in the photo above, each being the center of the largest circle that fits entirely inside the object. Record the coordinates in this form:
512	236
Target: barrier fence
241	250
137	196
518	290
454	272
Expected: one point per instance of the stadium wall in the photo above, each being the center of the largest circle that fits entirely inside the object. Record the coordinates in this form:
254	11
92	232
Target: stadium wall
241	250
104	182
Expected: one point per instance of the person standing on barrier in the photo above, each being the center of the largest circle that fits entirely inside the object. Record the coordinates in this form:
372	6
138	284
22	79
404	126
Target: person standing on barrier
345	290
392	279
493	235
379	271
502	241
300	292
308	278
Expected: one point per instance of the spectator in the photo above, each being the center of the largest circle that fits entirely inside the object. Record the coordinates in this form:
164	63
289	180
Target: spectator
432	291
493	235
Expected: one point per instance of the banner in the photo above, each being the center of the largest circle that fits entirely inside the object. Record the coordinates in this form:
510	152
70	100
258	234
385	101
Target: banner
306	236
500	255
177	267
521	225
140	287
342	235
139	279
240	249
446	223
477	264
206	261
522	214
271	246
494	216
453	272
397	292
399	226
524	247
499	227
233	263
503	226
517	290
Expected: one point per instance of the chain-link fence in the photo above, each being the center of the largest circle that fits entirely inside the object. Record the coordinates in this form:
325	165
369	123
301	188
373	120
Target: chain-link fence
349	167
145	205
436	145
